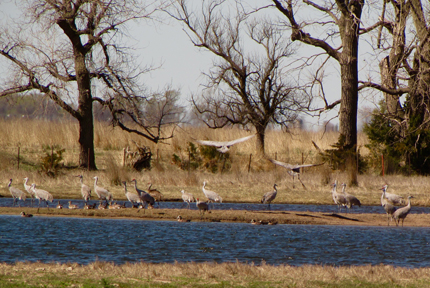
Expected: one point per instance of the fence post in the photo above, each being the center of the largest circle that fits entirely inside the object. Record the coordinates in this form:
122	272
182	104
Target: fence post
249	164
18	156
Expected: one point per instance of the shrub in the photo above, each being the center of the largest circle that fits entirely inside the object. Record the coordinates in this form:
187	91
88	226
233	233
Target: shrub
50	161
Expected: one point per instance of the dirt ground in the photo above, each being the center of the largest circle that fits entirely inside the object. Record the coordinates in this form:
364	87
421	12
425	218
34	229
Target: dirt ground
266	217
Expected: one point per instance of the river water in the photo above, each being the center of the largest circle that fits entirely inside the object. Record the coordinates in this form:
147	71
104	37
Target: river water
85	240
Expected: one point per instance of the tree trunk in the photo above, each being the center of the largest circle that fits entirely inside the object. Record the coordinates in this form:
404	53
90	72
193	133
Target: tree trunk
86	142
261	130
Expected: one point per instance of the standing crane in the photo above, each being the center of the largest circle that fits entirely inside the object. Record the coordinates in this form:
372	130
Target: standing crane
388	207
294	170
144	196
401	213
393	198
350	200
42	195
223	146
338	198
133	198
158	196
211	195
187	197
203	206
85	189
101	192
29	190
16	193
269	196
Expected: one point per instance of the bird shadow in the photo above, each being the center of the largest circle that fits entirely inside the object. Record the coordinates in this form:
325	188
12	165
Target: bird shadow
340	217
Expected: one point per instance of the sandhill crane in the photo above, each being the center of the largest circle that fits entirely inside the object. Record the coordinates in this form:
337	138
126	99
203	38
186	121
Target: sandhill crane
388	207
85	189
203	206
187	197
157	195
401	213
393	198
294	170
23	214
72	206
29	190
338	198
223	146
101	192
16	193
42	195
144	196
133	198
350	200
211	195
59	205
269	196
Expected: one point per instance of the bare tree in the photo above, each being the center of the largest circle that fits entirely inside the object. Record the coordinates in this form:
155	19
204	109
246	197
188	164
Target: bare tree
69	49
248	84
341	21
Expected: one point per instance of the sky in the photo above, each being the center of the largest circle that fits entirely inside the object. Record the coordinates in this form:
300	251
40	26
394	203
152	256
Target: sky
181	63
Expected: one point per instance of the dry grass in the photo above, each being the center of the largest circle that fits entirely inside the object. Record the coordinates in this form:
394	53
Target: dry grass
102	274
237	185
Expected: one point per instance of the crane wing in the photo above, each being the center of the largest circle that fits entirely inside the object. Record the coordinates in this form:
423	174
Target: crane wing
291	166
223	143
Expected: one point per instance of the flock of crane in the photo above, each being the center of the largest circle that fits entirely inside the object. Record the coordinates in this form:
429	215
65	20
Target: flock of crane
143	199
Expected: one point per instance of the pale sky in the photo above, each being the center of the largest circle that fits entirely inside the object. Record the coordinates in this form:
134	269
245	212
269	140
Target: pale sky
182	63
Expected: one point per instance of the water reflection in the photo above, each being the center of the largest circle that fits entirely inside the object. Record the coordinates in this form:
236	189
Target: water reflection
82	240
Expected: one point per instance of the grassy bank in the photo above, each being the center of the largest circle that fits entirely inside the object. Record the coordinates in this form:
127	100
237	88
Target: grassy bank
101	274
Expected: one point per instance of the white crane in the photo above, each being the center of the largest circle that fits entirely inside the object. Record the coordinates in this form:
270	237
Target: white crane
101	192
350	200
223	146
187	197
72	206
401	213
338	198
388	207
85	189
144	196
203	206
393	198
42	195
211	195
270	196
29	190
16	193
157	195
133	198
294	170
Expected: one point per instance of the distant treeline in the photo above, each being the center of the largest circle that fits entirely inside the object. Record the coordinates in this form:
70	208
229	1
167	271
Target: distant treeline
37	106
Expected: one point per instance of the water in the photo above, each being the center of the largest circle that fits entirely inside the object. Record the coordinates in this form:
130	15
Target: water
7	202
85	240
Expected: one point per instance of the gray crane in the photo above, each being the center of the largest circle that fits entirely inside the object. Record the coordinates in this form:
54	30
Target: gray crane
338	198
144	196
393	198
187	197
294	170
402	212
101	192
16	194
29	190
157	195
42	195
211	195
388	207
133	198
203	206
85	189
223	146
270	196
350	200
